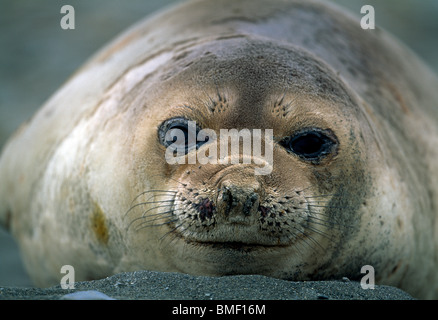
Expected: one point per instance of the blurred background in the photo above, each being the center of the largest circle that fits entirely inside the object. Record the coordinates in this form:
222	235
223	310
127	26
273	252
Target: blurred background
37	56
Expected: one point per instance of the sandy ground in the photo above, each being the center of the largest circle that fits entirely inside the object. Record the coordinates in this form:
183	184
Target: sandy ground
175	286
37	56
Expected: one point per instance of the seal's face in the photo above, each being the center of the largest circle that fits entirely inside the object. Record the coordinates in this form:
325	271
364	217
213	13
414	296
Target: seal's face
223	218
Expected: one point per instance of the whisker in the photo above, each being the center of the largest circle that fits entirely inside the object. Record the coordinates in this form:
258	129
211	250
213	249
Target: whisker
299	191
330	221
305	239
173	236
160	195
158	215
156	207
295	244
183	184
145	203
156	225
316	230
171	231
322	195
332	207
319	204
145	214
313	240
147	222
323	222
153	190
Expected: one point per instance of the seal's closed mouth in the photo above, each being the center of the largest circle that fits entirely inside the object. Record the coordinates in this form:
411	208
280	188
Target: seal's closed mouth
233	236
234	246
237	245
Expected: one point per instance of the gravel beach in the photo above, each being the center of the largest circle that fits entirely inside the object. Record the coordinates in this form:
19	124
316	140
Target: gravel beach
174	286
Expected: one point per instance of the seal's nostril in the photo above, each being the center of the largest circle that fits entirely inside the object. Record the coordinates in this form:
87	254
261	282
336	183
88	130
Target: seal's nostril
250	203
228	200
206	209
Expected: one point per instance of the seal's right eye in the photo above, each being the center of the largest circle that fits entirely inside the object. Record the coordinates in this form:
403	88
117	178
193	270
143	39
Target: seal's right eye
179	133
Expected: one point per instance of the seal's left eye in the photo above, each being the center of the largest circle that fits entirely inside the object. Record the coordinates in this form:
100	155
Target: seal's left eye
310	144
179	133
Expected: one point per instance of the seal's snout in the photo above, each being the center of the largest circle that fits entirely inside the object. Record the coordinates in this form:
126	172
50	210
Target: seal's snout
238	202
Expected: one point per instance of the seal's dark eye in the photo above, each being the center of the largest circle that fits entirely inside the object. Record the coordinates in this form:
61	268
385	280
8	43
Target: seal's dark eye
309	144
180	134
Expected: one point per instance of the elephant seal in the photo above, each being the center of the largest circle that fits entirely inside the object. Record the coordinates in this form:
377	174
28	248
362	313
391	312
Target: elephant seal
354	174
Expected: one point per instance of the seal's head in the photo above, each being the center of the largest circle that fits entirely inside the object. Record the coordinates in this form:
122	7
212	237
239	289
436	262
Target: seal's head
221	218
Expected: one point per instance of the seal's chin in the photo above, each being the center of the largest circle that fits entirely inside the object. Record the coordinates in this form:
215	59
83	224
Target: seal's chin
221	258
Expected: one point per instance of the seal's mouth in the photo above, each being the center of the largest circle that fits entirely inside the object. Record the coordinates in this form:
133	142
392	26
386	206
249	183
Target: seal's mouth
236	239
